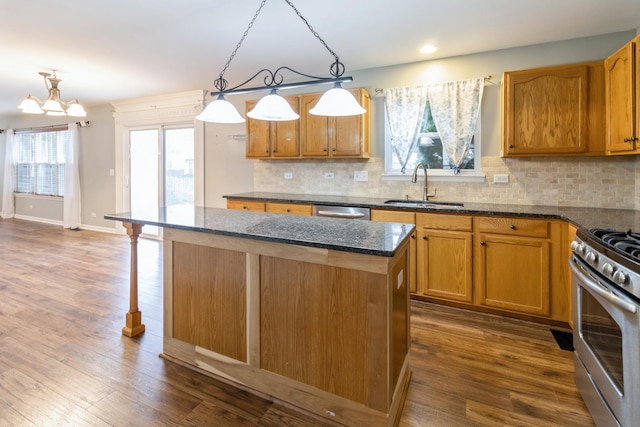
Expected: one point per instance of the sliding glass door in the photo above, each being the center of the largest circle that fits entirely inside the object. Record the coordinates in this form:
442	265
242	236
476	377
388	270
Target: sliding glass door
161	169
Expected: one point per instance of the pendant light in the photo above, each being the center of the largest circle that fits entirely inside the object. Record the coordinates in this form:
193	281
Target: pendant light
274	108
336	102
53	105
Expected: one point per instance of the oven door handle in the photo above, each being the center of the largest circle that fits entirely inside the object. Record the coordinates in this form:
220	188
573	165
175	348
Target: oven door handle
604	293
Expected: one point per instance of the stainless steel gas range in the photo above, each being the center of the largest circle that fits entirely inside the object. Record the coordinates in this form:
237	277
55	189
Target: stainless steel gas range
605	268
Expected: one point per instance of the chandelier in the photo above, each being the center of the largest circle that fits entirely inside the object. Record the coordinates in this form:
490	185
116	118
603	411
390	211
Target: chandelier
335	102
53	105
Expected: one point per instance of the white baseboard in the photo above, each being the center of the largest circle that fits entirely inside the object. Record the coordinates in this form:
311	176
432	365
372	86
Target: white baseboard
61	224
38	219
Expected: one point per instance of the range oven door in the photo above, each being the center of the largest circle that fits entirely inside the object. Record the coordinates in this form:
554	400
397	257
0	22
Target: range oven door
607	347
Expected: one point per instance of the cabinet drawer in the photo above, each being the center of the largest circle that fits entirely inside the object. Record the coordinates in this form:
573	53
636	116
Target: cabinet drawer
288	208
513	226
247	205
393	216
444	222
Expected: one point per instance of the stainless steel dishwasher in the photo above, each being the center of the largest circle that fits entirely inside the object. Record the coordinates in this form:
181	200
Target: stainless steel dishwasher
345	212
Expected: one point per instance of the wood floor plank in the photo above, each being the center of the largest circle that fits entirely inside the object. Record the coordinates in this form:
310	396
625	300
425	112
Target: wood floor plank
64	360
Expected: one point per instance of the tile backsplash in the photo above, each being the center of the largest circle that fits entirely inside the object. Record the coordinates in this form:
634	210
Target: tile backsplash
562	181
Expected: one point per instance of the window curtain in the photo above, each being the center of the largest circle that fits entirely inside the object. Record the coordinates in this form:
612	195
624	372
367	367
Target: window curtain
405	110
455	107
71	215
8	187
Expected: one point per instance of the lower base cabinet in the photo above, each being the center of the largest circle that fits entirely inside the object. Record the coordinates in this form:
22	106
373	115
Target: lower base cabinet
445	255
508	265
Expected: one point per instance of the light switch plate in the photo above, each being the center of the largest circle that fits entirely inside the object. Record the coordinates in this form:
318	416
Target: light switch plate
288	175
361	176
500	179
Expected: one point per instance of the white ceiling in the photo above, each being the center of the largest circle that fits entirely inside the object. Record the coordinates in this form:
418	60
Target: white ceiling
120	49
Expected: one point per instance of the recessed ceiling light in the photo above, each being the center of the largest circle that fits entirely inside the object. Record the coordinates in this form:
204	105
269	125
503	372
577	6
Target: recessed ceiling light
429	48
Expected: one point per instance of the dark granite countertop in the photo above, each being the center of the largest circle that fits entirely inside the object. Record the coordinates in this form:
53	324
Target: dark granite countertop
365	237
619	219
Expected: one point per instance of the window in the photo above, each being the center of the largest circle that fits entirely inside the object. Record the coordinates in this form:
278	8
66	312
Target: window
40	161
429	150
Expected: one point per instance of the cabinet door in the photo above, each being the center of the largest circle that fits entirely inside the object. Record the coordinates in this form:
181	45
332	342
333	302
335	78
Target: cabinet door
445	263
513	273
285	136
258	135
619	100
349	136
384	215
546	111
315	129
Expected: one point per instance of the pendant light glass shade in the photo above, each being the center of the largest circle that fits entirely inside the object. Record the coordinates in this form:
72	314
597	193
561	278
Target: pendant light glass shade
30	106
337	102
220	111
76	110
273	107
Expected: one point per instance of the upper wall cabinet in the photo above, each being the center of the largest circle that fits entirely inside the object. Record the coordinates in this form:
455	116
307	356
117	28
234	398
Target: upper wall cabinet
554	111
622	92
311	136
273	139
335	136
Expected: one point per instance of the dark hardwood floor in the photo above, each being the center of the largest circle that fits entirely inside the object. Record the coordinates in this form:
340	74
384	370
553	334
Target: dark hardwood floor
64	361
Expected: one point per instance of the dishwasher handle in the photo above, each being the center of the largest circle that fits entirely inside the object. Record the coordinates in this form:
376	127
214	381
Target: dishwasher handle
331	214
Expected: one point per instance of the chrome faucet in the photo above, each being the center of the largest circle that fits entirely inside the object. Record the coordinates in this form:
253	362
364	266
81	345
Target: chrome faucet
414	178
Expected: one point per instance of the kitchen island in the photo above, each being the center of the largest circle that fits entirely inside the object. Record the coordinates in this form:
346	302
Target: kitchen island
310	312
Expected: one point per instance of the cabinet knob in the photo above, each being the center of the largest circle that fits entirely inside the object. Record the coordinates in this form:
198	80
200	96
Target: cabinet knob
333	149
482	243
413	236
513	227
288	210
425	238
510	145
628	139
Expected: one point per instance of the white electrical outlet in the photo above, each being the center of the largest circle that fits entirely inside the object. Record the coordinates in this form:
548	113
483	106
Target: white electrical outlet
501	179
328	175
361	176
288	175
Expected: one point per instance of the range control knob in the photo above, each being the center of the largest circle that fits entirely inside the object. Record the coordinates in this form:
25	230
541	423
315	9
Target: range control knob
591	258
577	247
607	269
620	278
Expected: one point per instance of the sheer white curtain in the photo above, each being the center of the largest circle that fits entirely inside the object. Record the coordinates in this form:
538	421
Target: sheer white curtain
455	107
71	215
8	187
405	110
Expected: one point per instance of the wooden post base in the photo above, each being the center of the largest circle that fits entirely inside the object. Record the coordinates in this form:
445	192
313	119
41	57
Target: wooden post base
133	324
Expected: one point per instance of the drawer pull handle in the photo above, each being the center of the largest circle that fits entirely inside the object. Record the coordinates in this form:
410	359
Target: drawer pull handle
513	227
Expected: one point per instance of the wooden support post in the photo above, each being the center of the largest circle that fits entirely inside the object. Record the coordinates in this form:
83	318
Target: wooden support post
133	325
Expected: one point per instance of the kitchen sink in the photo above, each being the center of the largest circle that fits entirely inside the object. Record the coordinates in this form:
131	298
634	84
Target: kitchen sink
422	204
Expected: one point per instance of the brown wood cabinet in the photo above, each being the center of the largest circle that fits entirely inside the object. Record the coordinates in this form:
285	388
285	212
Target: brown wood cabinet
513	264
246	205
311	136
289	208
445	256
554	111
622	91
266	139
384	215
335	136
